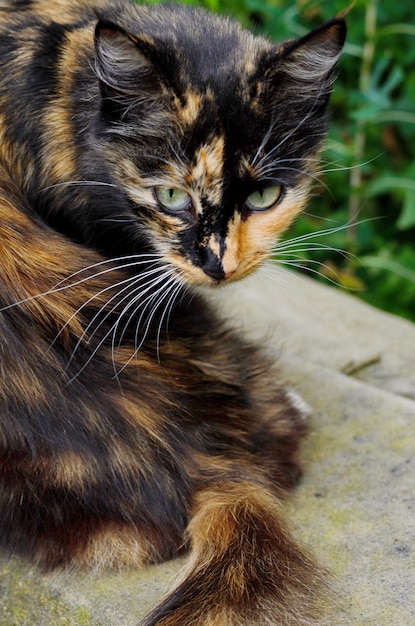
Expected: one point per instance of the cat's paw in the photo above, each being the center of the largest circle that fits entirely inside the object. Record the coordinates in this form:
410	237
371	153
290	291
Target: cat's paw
303	409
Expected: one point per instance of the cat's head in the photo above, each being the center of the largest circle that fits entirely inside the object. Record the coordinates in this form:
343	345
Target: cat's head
211	133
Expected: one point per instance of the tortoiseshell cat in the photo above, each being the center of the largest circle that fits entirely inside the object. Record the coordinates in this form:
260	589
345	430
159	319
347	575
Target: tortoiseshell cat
147	152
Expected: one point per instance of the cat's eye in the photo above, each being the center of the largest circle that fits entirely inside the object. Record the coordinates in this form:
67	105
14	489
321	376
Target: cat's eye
264	198
173	199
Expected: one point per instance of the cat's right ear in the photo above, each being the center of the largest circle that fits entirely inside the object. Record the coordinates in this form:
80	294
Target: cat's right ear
303	70
124	68
307	65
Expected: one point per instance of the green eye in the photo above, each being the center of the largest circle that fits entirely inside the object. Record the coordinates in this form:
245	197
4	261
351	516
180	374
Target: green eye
173	199
264	198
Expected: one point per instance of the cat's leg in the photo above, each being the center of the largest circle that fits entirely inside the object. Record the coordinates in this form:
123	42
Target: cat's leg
244	569
87	526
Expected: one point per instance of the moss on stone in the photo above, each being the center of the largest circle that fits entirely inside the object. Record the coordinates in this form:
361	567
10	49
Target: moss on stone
26	600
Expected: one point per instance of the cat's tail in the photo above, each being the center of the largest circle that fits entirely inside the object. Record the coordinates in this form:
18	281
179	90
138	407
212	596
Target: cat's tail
244	569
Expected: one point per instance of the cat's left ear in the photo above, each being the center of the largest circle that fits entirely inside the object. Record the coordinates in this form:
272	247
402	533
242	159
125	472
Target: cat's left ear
125	68
305	67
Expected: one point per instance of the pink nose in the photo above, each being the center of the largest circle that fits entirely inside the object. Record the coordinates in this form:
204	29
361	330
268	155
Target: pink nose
230	272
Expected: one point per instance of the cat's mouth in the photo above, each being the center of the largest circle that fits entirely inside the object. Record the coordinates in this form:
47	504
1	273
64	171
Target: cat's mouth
211	273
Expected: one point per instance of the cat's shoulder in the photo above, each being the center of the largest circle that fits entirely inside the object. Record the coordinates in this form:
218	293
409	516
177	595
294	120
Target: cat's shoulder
58	11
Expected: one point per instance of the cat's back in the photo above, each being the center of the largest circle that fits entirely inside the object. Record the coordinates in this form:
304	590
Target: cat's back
58	11
45	54
35	28
32	32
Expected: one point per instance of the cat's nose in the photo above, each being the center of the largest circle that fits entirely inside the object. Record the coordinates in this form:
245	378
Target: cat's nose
215	271
211	264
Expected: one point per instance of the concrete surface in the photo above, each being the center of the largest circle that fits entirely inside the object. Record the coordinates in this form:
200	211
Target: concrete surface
355	507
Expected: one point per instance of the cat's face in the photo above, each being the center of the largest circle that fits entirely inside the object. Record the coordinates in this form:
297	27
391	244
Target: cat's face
212	134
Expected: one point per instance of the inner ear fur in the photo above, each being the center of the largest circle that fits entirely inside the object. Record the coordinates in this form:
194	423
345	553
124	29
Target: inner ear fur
307	65
124	63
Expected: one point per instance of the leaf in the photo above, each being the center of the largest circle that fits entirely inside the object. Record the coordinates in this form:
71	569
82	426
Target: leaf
389	265
394	117
397	29
407	217
389	183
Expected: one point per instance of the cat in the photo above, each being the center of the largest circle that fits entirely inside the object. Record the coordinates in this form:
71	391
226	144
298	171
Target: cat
147	155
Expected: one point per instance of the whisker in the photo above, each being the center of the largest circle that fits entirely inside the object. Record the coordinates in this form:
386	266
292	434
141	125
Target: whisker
319	217
85	304
347	168
289	135
302	264
315	247
278	274
271	170
166	314
265	166
264	141
148	299
291	243
117	221
144	259
320	233
80	183
98	346
132	280
165	290
60	286
132	302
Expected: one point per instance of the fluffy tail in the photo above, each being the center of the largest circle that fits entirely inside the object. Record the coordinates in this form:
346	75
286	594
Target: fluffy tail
244	570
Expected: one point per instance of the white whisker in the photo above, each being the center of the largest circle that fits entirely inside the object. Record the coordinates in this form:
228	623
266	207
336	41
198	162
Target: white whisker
348	168
263	142
315	247
320	233
110	332
85	304
166	315
264	164
302	265
146	300
161	294
60	286
276	274
79	183
128	282
268	173
97	295
118	221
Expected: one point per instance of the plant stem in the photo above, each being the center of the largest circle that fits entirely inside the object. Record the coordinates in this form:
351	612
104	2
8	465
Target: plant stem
356	175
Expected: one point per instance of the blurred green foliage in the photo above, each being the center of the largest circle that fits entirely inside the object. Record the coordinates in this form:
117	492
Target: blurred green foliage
367	181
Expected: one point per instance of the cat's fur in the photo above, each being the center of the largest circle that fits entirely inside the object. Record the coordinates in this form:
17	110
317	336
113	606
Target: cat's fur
133	425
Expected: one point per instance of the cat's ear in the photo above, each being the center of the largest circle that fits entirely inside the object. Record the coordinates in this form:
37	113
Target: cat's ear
306	67
124	65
